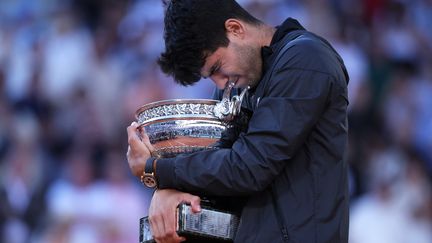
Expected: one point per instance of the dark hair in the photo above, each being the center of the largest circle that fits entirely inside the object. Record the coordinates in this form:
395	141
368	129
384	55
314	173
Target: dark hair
193	30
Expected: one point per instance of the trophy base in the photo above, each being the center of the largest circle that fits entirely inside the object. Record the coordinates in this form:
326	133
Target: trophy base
209	225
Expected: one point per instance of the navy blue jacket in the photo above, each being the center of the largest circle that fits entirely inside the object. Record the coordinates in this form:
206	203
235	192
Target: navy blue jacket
289	164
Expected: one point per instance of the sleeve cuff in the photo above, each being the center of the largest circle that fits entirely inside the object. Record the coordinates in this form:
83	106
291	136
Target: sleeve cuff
165	173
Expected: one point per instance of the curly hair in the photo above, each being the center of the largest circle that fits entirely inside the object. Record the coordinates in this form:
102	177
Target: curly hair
193	30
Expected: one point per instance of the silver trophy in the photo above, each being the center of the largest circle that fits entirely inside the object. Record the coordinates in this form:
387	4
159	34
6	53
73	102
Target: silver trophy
185	126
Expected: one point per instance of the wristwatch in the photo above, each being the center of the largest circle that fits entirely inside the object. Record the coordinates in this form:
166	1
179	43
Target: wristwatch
148	177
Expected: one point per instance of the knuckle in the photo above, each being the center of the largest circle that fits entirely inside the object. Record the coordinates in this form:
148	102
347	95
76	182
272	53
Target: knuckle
153	218
170	233
131	139
158	238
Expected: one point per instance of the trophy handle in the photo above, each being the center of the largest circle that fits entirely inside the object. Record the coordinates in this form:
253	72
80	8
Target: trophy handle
228	108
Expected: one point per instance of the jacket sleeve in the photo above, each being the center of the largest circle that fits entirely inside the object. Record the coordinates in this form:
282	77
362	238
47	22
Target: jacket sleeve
278	127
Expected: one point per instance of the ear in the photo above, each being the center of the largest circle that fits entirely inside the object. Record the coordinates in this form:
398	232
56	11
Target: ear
235	27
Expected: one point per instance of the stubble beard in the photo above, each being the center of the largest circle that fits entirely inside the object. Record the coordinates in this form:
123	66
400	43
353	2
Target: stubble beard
252	63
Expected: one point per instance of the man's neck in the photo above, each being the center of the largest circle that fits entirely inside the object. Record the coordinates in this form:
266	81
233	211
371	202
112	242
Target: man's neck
266	33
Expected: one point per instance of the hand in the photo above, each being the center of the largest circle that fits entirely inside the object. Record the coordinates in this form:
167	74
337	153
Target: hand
139	150
162	213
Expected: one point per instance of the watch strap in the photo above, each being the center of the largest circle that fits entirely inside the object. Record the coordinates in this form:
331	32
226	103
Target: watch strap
148	169
148	176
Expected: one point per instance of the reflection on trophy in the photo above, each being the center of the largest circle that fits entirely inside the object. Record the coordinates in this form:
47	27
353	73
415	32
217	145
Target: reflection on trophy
180	126
185	126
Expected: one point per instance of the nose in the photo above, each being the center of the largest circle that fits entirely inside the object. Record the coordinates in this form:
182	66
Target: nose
219	80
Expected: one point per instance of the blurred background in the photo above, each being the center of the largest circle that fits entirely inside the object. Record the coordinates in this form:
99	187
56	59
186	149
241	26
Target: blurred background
73	73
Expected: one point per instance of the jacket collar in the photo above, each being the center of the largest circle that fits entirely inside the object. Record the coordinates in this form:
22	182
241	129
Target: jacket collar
287	26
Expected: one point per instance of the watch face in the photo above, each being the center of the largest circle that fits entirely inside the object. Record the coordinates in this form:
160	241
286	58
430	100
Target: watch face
149	181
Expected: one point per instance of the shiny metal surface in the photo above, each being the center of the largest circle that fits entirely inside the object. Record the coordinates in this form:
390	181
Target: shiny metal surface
181	126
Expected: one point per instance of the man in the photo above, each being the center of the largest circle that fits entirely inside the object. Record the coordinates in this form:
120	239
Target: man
289	163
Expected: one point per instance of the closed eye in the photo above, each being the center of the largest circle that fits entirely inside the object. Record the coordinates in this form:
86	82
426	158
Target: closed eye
214	68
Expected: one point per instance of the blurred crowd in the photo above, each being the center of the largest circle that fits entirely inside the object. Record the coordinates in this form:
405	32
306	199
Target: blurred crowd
73	73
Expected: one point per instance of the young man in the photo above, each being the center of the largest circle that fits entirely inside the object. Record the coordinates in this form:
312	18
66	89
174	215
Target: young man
289	163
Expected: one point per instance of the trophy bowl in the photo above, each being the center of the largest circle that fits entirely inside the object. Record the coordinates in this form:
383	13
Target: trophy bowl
181	126
184	126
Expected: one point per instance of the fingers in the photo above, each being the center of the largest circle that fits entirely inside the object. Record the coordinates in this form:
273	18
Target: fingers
170	227
162	213
195	203
137	136
156	227
146	140
192	200
133	137
163	219
138	151
156	218
159	224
